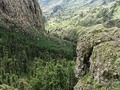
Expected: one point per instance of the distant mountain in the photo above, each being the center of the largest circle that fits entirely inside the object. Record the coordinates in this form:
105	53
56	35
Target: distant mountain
48	5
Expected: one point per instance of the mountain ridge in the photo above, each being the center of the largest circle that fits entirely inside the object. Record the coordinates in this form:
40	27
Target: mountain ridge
48	5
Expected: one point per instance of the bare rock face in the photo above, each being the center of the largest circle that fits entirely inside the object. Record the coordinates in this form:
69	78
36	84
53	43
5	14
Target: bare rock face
21	12
98	54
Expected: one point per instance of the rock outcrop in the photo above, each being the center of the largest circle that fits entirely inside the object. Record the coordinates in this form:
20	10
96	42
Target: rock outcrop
98	53
25	13
104	61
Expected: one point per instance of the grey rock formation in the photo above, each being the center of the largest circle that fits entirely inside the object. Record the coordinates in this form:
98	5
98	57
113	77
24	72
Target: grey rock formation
86	44
98	51
22	12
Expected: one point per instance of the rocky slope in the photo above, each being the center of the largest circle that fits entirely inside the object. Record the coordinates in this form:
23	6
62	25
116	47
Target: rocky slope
27	15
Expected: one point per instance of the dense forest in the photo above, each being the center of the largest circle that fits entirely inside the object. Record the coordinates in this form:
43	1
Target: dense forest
27	64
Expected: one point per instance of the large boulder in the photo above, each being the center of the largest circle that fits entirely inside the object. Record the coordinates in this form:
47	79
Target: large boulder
105	61
98	54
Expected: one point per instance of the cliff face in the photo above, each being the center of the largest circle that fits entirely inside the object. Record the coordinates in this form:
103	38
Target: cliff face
26	13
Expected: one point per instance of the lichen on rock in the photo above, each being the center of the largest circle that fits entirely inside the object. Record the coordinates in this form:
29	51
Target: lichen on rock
103	61
98	50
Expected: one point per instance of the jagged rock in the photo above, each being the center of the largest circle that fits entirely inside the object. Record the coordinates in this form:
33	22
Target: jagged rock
103	61
87	41
22	12
98	49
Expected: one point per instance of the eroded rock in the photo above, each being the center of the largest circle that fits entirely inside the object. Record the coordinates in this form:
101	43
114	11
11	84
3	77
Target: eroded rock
22	12
98	53
87	41
103	61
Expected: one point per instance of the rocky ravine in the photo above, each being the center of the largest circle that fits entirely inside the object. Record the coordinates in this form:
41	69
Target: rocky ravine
98	53
26	13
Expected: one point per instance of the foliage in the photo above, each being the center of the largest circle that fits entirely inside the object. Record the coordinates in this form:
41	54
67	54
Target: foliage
39	62
65	22
52	75
117	62
90	79
116	85
19	44
43	75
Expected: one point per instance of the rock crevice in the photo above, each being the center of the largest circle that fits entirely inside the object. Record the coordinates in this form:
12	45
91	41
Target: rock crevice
88	41
97	52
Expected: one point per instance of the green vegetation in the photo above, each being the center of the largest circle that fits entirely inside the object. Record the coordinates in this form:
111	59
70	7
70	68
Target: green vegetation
33	46
42	75
35	63
77	26
36	60
63	23
52	76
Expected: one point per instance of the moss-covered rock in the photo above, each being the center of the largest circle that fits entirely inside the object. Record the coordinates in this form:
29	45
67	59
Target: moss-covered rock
90	38
27	15
104	61
98	53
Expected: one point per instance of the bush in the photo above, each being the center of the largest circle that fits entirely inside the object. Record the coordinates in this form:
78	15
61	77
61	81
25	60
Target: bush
54	75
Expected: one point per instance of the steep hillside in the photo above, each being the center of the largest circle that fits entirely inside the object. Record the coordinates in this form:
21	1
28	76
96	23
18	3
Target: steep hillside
25	18
67	25
30	58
